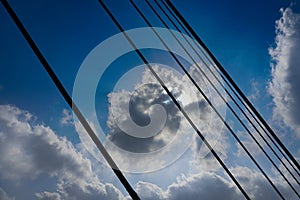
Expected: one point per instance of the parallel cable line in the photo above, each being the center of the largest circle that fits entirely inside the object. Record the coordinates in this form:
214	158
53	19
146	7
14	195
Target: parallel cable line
228	105
218	80
222	69
228	84
69	100
207	99
173	99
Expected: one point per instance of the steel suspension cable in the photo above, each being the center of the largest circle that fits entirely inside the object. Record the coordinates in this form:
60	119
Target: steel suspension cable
222	69
227	92
228	105
69	100
208	101
235	93
174	99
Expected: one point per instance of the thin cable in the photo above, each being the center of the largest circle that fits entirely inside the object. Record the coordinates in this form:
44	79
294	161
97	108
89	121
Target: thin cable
207	100
228	105
218	80
173	99
247	108
222	69
69	100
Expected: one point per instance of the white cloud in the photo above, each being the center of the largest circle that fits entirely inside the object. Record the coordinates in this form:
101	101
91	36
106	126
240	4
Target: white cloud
48	196
249	142
259	188
67	117
4	195
209	185
200	185
205	185
147	93
285	83
29	150
72	191
149	191
254	91
127	106
147	154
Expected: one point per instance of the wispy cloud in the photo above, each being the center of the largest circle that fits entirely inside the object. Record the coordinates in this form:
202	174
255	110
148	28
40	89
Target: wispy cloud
254	90
67	117
4	195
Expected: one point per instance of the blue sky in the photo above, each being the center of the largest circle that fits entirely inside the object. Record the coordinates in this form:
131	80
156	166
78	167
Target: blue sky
238	33
75	29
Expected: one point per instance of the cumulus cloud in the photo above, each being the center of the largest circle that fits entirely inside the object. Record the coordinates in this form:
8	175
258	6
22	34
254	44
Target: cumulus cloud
149	191
203	185
259	188
285	83
129	109
29	150
126	106
140	103
72	191
210	185
199	185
